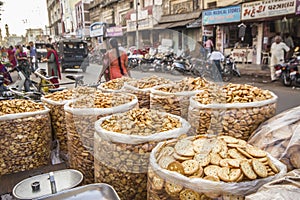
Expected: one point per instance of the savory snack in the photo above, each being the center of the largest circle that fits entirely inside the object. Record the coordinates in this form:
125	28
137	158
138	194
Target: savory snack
205	172
142	88
233	109
123	143
81	116
25	136
175	98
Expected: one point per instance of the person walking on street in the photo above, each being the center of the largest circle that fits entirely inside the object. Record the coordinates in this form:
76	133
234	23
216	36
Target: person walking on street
217	57
278	48
209	45
33	58
115	62
53	64
11	56
290	43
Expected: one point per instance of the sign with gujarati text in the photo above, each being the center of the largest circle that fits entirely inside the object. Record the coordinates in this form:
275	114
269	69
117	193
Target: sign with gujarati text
297	7
267	8
222	15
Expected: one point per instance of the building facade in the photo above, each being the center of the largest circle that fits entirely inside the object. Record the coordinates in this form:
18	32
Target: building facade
244	28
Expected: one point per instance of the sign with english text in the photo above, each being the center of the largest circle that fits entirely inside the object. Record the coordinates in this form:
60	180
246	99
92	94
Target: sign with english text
267	8
221	15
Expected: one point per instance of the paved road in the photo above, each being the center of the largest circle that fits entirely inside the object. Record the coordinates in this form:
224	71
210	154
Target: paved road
288	97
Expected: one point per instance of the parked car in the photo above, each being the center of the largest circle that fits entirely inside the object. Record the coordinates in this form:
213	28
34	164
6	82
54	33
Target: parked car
73	54
41	51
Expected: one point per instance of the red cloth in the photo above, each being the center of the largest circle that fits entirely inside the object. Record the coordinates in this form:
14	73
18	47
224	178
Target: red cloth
56	60
11	57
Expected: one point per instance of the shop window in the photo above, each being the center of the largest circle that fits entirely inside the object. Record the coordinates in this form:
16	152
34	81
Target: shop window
212	4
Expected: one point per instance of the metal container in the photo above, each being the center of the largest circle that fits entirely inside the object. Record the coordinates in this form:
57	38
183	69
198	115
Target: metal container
97	191
46	184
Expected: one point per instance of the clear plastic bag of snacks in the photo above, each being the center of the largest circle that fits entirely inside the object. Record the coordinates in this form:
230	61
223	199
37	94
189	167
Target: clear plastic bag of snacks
81	115
209	168
25	136
280	137
123	143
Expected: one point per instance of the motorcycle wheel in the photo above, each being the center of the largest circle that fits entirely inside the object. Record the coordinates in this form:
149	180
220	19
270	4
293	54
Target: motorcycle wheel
236	71
27	85
157	68
144	67
227	73
196	72
286	81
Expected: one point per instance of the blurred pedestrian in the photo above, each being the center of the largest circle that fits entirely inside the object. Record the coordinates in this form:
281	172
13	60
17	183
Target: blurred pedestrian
115	62
11	56
209	45
33	56
53	64
290	43
217	57
22	61
278	48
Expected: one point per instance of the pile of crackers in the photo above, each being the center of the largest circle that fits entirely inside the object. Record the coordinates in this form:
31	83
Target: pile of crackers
223	158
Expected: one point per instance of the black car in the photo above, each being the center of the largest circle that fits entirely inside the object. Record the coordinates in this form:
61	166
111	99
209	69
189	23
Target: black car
73	54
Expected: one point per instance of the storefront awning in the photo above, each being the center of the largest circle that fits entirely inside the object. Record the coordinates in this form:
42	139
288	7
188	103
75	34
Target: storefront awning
173	24
179	20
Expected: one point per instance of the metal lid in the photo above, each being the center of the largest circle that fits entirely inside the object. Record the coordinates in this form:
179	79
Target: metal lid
64	179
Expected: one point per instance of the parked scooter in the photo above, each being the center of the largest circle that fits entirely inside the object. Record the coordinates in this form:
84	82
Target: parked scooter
5	93
182	65
288	72
134	61
24	71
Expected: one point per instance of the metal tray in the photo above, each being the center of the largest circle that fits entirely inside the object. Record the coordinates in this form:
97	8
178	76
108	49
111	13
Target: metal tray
97	191
64	179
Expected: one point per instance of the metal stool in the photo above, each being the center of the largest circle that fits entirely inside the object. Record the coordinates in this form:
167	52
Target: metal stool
265	58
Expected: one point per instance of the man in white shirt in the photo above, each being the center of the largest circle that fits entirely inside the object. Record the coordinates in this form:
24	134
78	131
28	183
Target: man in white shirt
277	55
217	57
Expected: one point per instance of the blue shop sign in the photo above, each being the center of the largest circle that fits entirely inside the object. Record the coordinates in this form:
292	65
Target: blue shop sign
222	15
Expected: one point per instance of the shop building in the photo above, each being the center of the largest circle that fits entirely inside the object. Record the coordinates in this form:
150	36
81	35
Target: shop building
246	30
270	18
229	33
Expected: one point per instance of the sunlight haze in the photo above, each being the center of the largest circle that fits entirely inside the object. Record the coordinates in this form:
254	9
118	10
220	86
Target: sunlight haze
23	14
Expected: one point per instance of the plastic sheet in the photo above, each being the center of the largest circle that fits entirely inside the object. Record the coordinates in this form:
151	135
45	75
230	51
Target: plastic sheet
280	137
287	188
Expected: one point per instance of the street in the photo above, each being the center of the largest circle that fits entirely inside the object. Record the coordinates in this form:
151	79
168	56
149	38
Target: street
288	97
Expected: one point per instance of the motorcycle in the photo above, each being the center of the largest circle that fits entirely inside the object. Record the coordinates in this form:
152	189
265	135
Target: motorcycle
5	93
182	65
288	72
230	68
134	60
24	82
